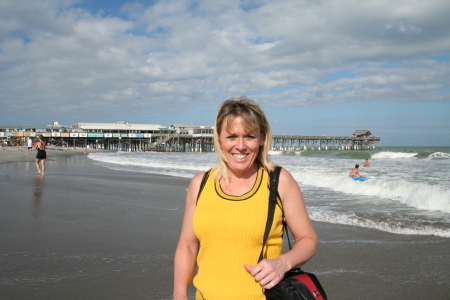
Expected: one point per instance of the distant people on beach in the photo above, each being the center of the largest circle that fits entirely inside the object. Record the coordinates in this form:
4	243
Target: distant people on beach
355	172
29	145
366	163
41	155
226	213
18	142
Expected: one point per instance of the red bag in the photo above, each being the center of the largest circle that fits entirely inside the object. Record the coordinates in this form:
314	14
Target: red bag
297	285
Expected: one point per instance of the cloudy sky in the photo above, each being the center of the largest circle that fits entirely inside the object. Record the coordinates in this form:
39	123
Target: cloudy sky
316	67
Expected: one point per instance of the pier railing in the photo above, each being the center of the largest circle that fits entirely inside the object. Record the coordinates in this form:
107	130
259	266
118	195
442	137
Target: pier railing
299	142
205	142
200	143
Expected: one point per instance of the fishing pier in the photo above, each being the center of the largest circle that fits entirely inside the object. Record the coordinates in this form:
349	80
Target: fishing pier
122	136
295	142
199	143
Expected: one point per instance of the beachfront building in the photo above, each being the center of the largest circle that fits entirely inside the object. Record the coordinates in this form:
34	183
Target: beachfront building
124	136
121	135
191	137
11	135
193	129
362	133
113	136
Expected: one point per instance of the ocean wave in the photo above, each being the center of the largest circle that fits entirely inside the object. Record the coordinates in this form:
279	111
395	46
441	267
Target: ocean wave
412	187
393	155
439	155
275	152
149	162
425	196
392	225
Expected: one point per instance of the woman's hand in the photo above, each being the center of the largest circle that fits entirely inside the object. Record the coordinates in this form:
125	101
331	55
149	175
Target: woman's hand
268	272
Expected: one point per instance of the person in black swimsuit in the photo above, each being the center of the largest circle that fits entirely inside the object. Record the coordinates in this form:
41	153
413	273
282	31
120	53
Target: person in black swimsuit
41	155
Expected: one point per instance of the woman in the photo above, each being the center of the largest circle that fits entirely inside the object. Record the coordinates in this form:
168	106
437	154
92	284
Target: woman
41	155
223	229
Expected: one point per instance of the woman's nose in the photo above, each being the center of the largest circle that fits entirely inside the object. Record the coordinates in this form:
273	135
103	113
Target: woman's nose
241	144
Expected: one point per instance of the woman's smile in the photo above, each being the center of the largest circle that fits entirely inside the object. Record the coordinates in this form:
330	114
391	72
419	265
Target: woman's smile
240	156
239	146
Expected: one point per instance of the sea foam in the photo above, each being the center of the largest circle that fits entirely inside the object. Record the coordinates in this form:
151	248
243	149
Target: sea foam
393	155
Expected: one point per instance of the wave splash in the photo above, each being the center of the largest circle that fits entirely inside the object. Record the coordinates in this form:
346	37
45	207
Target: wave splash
406	194
393	155
392	225
420	195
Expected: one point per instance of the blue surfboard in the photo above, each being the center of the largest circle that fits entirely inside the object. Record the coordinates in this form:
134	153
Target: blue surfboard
360	178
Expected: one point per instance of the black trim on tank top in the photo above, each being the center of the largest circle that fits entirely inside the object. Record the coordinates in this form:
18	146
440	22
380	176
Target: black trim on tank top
249	194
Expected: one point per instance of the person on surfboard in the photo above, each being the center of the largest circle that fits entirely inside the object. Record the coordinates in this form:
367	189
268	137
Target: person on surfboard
354	172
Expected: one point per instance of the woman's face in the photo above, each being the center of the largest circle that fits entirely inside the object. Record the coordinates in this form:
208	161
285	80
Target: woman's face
240	147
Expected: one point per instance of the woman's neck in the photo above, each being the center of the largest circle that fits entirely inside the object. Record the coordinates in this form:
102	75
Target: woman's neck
240	183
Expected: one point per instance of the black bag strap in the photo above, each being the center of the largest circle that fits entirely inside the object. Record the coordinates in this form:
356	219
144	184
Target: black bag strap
286	229
202	184
297	284
273	185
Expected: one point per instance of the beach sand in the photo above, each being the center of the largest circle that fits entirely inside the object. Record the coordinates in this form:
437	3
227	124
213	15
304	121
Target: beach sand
82	231
12	154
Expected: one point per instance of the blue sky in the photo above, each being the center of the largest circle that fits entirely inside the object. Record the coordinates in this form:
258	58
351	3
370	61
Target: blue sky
315	67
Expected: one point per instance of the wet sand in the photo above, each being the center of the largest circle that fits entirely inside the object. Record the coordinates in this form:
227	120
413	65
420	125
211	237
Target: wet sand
82	231
12	154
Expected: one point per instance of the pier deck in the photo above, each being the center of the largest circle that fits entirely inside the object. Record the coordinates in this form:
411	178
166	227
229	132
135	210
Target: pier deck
185	142
177	142
298	142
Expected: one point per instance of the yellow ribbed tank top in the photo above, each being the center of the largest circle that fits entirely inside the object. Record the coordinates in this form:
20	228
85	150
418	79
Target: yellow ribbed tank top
231	230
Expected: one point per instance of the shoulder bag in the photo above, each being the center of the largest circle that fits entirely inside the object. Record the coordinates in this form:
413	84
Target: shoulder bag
296	284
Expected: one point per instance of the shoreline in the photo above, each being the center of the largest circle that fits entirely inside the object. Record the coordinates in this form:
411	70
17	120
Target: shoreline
85	231
11	154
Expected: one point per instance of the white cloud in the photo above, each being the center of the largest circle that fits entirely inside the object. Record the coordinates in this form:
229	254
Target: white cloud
281	52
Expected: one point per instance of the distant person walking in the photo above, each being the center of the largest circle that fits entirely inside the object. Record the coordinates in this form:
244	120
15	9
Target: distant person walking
41	155
366	163
29	145
18	143
354	173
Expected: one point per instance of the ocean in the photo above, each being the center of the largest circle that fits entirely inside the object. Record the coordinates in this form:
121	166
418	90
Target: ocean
408	190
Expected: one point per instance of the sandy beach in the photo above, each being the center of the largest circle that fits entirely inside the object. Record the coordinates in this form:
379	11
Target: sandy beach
83	231
12	154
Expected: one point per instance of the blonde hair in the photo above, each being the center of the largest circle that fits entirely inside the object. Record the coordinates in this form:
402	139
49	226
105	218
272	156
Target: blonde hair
254	120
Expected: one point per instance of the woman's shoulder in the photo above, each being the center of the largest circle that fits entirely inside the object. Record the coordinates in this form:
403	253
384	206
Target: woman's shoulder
198	178
196	184
286	179
283	172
